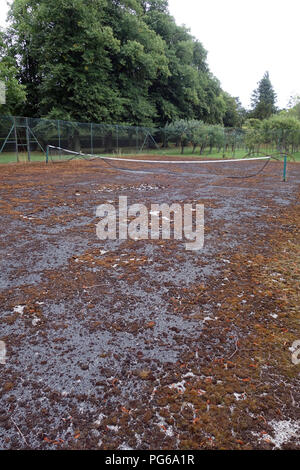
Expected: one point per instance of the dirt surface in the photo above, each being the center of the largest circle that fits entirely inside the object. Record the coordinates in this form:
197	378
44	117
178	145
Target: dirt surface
142	344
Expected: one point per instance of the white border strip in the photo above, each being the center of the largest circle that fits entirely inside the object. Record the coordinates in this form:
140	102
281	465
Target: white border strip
174	162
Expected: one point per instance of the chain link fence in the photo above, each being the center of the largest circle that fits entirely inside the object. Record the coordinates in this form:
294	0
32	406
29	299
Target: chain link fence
26	139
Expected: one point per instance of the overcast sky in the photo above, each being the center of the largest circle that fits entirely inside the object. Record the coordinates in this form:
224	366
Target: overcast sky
3	12
244	38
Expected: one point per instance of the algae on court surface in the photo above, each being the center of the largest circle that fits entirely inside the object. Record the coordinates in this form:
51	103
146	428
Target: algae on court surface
143	345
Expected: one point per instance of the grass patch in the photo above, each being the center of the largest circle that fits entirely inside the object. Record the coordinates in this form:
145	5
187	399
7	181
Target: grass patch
215	154
10	157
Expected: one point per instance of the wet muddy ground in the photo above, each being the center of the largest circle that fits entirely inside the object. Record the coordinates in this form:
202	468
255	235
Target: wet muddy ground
143	344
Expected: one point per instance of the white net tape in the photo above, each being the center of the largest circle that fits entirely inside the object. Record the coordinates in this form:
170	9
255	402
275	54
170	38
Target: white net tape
232	168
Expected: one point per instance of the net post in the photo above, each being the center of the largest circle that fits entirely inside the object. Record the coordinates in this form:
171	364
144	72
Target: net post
284	168
47	154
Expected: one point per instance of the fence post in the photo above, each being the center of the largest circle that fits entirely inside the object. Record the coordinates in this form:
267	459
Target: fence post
117	135
47	154
59	137
284	168
234	143
58	131
92	143
28	140
16	139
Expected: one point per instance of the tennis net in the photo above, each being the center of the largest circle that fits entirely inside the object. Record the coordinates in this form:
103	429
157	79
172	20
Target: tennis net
193	167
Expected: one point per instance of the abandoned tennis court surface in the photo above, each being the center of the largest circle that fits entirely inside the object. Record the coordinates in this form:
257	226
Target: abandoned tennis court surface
142	344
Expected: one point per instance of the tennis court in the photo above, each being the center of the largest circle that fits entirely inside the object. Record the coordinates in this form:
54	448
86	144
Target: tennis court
125	344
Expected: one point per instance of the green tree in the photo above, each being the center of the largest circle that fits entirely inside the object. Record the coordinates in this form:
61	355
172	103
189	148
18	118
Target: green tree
263	99
235	114
114	61
181	130
63	57
90	60
253	137
14	91
283	131
157	5
294	107
189	91
197	133
231	116
140	61
242	112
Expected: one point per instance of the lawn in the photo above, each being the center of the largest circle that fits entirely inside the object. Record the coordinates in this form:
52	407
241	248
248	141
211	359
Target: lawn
10	157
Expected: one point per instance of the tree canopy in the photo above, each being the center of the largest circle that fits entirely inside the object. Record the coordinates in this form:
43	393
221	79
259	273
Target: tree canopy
294	107
114	61
15	95
263	99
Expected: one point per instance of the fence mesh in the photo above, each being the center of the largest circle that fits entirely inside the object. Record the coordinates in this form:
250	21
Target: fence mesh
26	139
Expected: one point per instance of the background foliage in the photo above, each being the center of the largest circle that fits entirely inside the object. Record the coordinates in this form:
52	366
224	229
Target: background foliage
121	61
111	61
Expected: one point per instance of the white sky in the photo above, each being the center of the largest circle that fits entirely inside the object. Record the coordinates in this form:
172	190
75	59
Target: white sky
244	38
3	12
